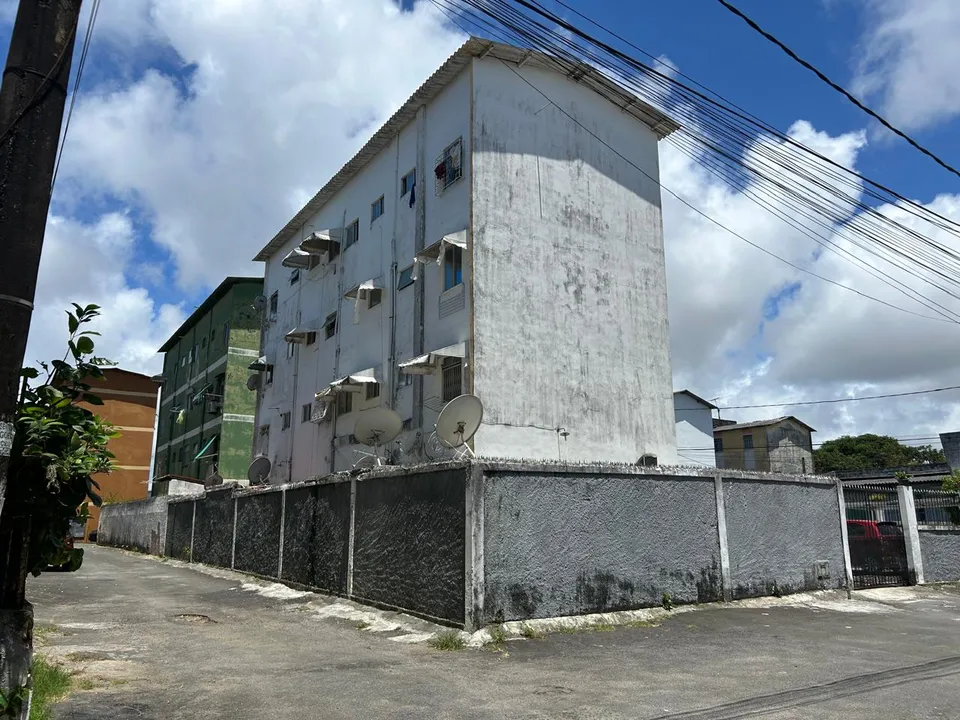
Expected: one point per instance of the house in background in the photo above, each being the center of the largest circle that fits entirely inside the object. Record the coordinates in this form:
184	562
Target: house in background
129	403
205	425
694	423
485	240
780	445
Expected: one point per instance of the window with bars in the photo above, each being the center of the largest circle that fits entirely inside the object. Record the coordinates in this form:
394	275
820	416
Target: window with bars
449	167
376	208
285	421
407	182
344	403
351	234
452	370
306	412
274	303
330	326
373	390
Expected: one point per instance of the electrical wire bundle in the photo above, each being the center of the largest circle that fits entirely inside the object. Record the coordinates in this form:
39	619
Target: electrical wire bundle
815	195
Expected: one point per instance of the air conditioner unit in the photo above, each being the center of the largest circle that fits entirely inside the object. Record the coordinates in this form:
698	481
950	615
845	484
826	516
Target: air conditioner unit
214	407
253	382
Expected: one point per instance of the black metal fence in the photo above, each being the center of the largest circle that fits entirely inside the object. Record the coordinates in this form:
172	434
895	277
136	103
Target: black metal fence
936	508
878	553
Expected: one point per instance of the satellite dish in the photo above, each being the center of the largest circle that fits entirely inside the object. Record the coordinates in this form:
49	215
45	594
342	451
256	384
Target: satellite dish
259	470
459	421
377	427
253	382
260	302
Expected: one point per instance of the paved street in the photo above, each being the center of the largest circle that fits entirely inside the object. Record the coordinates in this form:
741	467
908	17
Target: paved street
158	640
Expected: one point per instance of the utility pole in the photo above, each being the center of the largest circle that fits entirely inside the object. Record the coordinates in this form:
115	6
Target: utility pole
32	99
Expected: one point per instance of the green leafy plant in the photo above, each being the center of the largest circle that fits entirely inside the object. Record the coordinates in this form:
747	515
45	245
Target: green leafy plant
951	483
59	446
530	632
498	636
667	601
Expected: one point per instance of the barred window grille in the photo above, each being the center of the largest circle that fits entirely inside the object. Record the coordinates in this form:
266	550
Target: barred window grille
373	390
344	403
449	166
452	378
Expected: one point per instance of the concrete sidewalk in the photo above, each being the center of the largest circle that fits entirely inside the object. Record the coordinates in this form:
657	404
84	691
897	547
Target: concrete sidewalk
159	640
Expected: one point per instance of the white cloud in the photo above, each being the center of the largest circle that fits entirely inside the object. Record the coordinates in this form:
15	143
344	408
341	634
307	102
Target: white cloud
85	264
909	58
281	95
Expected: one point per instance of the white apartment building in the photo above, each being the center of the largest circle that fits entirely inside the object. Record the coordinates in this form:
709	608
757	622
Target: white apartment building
500	235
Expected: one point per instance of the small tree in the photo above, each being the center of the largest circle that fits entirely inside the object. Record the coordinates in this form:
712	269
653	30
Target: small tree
58	447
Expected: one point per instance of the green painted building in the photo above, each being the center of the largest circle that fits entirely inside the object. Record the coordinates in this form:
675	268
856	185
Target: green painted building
206	411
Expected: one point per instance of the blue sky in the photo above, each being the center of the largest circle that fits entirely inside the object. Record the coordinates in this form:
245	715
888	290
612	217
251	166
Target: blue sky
201	128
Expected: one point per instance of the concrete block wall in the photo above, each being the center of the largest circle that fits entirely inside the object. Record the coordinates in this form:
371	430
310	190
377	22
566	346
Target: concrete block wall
138	525
470	543
940	551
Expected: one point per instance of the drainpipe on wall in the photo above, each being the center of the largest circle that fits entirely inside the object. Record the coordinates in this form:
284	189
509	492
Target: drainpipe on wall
419	242
336	350
156	440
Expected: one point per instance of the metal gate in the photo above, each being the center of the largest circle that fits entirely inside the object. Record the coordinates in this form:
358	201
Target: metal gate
878	553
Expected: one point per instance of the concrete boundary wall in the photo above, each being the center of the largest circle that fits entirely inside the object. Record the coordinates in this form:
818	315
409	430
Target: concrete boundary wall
138	525
470	543
940	550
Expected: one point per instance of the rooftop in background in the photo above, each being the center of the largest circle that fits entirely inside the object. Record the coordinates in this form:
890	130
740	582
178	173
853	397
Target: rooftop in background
584	73
211	300
697	398
761	423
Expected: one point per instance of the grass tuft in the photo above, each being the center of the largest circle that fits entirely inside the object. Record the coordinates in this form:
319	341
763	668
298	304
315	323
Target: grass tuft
362	625
601	627
530	632
498	636
51	682
447	640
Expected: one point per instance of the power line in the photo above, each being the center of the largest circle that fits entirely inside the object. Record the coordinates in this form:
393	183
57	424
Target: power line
852	98
95	8
843	400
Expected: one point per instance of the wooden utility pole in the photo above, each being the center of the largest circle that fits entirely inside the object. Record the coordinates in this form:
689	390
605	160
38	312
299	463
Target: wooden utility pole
32	99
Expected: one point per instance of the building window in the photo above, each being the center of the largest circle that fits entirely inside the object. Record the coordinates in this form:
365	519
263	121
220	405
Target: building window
452	378
285	421
269	374
718	444
374	297
373	390
452	267
295	277
291	350
351	234
311	338
226	333
449	167
203	343
407	182
748	442
213	336
376	208
406	278
274	303
306	412
344	403
330	326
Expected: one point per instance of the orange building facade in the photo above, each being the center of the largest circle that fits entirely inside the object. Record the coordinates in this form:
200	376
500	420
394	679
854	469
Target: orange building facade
130	403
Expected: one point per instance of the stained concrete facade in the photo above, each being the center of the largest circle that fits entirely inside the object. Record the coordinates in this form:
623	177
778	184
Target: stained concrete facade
940	550
779	445
542	240
138	525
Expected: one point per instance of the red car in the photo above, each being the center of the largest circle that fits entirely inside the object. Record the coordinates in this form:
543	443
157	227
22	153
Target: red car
876	546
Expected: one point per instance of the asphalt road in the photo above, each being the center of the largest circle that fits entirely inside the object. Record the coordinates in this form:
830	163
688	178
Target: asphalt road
159	640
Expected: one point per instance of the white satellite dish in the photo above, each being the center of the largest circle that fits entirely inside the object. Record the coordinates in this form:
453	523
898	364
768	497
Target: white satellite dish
253	382
259	470
376	428
259	303
459	421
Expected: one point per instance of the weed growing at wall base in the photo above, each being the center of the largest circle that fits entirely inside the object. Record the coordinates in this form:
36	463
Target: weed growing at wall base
50	683
447	640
